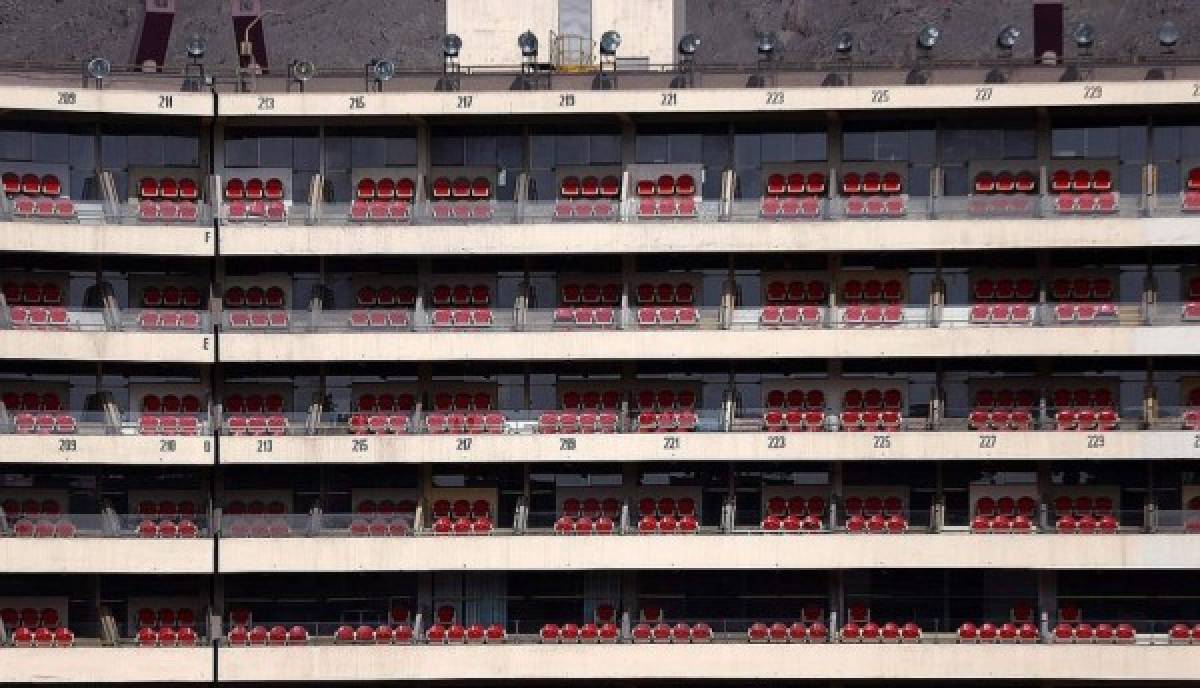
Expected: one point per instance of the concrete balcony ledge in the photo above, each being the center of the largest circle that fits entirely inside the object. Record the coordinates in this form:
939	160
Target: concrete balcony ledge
96	665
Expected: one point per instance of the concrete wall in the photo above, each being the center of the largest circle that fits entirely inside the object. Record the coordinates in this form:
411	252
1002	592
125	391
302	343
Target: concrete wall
107	449
106	346
92	665
136	240
106	555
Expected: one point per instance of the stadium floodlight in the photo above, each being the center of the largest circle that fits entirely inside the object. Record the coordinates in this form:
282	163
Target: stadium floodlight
378	71
843	43
1007	39
196	47
766	42
928	37
528	43
451	45
300	71
1168	36
1084	36
451	73
609	42
97	69
688	44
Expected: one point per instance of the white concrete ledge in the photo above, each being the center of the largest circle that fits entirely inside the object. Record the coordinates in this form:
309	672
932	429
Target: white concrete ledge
106	555
140	239
712	446
92	665
106	449
958	550
709	237
924	343
140	347
728	661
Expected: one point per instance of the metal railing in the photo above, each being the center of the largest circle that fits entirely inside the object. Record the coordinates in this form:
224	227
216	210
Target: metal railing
103	525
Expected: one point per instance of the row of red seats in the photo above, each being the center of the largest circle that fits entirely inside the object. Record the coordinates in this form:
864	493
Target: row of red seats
871	183
877	524
383	634
1005	289
403	295
1081	180
461	187
254	403
1006	506
1100	633
38	317
170	403
876	206
166	508
379	318
167	528
1086	203
462	317
796	506
873	315
584	525
677	633
584	210
1191	311
43	207
1190	201
459	423
666	421
1095	397
167	637
1006	398
473	634
30	617
380	211
1001	313
570	422
873	399
795	183
666	506
255	507
1004	182
45	424
379	527
1191	419
872	632
43	637
385	188
1182	634
32	401
170	211
253	424
873	504
594	507
590	186
797	399
169	320
1019	420
461	210
1002	523
1086	419
791	523
386	401
666	293
257	527
1087	525
667	185
668	525
254	189
239	636
386	507
444	525
666	207
258	319
798	292
601	316
378	424
458	401
791	315
1083	505
1084	312
255	297
33	294
860	292
668	315
462	507
788	207
461	295
795	632
871	421
610	399
274	211
31	184
579	633
30	507
776	420
44	528
665	399
1009	632
168	188
172	296
1082	289
594	294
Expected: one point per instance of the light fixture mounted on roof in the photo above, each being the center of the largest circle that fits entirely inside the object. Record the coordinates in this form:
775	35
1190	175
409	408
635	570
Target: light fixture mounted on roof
1084	36
1168	36
528	43
451	70
299	72
687	60
1007	39
196	47
766	42
96	69
843	44
193	72
451	45
609	42
378	71
928	38
531	71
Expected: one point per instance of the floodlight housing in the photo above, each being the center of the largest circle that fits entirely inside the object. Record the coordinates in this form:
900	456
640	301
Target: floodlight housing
609	42
99	68
196	47
303	70
451	45
766	42
528	43
1007	39
688	44
928	37
1168	35
383	70
843	42
1084	36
